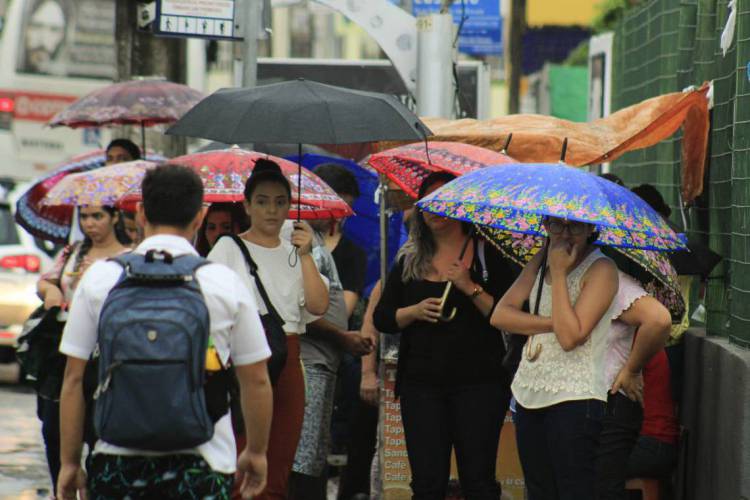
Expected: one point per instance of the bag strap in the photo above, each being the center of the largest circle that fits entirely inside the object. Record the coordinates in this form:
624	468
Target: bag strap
127	259
68	253
253	268
483	260
540	283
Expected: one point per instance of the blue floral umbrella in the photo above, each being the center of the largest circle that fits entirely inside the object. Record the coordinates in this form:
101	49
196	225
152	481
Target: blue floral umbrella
517	197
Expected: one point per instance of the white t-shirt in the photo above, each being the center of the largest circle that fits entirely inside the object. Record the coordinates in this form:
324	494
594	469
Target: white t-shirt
235	329
283	283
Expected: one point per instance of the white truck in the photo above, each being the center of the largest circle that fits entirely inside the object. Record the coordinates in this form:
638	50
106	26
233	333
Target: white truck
52	53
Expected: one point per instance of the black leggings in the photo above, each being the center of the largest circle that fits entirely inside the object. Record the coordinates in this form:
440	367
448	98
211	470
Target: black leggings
466	418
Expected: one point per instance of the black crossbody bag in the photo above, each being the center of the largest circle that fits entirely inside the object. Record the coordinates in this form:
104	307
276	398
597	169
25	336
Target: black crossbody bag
272	322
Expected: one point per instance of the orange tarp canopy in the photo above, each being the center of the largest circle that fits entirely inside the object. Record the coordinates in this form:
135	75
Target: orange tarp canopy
538	138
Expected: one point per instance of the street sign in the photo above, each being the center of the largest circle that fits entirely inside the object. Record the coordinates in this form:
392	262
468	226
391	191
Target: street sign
214	19
482	29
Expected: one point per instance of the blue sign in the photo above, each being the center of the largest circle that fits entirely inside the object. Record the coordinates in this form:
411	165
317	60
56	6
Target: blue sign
482	29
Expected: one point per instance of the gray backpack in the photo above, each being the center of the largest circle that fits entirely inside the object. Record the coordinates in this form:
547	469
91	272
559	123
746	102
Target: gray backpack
152	336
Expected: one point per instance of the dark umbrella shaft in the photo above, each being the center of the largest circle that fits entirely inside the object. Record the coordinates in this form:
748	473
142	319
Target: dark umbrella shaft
299	181
449	285
143	138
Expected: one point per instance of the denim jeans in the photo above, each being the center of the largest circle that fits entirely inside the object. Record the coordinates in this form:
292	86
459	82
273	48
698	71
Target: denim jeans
466	418
557	446
620	429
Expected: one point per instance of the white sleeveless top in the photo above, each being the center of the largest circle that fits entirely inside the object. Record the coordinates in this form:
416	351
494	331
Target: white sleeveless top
558	376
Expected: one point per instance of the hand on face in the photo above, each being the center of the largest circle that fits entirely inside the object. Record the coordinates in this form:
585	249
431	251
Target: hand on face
562	256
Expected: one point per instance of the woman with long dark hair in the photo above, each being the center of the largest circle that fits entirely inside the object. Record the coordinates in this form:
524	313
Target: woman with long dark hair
221	218
104	237
454	392
295	289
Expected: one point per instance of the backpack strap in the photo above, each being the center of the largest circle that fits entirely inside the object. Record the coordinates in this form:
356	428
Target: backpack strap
253	269
137	267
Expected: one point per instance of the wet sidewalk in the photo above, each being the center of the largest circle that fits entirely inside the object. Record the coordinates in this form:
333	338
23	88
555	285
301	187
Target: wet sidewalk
23	469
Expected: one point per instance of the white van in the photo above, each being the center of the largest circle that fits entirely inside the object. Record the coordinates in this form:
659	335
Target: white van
52	53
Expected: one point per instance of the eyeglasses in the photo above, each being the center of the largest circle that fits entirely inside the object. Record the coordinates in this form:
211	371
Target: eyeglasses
557	227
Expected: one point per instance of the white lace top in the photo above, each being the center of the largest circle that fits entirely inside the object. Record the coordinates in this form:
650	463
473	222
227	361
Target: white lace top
557	376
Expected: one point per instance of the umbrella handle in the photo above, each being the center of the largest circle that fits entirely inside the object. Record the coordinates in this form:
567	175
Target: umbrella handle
443	301
449	285
532	355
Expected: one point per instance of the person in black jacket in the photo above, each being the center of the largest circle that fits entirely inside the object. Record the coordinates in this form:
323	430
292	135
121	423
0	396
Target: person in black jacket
454	392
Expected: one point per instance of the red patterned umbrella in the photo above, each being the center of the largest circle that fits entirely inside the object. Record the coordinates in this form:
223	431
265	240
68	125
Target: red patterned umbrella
225	171
408	165
53	222
145	102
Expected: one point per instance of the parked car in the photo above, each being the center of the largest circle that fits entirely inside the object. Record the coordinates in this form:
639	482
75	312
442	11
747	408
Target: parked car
22	261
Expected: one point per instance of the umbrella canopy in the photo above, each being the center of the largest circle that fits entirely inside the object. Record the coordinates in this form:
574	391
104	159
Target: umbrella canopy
53	222
652	269
364	229
517	197
101	187
144	102
224	173
299	111
407	166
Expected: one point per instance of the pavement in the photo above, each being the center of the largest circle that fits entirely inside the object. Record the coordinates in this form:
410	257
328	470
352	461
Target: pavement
23	467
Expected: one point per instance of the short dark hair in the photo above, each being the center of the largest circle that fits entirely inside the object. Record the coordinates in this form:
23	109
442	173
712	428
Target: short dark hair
439	177
340	178
172	195
132	148
613	178
266	170
653	197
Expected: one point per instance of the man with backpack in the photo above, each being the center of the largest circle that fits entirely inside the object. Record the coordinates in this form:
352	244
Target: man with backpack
152	316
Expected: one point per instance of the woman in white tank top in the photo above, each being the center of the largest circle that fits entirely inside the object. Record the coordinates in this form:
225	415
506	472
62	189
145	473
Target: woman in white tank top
560	385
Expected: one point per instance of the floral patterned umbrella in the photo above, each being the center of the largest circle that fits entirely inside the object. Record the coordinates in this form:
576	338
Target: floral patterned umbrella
408	165
53	222
225	171
144	102
101	187
517	197
653	269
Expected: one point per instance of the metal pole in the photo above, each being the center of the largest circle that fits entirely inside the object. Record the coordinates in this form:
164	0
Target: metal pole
250	28
435	87
382	191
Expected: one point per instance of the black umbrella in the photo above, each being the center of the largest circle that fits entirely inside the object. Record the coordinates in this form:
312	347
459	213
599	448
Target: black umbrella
300	111
282	150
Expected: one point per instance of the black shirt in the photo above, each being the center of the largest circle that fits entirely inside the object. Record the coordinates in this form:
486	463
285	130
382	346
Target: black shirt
467	350
351	264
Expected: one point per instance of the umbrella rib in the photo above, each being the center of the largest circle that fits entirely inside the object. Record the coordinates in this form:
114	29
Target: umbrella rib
330	121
